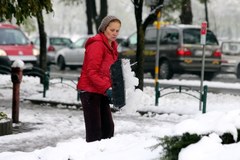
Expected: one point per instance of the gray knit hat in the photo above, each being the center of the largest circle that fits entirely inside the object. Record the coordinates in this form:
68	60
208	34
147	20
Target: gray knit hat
105	22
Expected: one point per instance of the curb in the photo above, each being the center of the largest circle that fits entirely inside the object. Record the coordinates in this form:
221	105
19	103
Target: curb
54	102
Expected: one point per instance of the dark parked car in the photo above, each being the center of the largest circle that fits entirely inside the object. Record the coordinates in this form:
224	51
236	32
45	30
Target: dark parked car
54	43
14	44
231	57
180	51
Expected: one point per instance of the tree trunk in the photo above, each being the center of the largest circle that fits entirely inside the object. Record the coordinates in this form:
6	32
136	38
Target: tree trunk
141	27
186	13
206	13
89	16
140	42
103	13
92	15
140	57
43	42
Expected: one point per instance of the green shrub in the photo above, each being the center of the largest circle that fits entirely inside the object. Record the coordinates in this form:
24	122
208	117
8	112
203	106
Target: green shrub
227	138
173	145
238	132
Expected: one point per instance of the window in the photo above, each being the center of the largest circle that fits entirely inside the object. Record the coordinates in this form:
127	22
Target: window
12	36
231	48
133	39
80	43
192	36
169	36
60	41
151	36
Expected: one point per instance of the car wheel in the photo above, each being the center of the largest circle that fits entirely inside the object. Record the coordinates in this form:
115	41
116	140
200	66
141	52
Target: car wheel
73	67
165	70
61	63
152	74
209	76
238	71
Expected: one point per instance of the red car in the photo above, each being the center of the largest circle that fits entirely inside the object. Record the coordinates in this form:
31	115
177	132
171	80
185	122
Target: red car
14	44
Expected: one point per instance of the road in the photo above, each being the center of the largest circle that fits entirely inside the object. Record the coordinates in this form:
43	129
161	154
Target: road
66	74
228	78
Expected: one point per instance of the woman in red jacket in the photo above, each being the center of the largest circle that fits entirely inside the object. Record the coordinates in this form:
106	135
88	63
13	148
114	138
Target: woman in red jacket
95	82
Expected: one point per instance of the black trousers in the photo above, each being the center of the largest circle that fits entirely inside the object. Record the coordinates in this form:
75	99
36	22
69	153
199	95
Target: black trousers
97	116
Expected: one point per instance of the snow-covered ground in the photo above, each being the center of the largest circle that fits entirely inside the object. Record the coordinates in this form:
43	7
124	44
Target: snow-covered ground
57	133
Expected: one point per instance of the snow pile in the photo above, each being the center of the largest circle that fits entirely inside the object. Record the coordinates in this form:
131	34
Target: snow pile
216	121
18	64
210	148
135	98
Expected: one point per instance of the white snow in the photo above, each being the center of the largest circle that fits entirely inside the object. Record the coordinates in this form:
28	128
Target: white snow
18	64
57	133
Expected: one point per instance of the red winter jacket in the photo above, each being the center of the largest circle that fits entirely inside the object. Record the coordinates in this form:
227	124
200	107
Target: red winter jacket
99	56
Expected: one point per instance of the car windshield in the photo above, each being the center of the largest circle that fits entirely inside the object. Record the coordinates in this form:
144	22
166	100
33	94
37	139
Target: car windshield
231	48
12	37
192	36
60	41
80	43
133	39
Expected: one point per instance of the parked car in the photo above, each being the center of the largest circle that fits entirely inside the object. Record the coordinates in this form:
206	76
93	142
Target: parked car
180	51
72	56
120	39
231	57
14	44
53	45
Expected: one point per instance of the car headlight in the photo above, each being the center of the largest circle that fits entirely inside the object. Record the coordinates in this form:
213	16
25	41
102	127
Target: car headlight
35	52
2	53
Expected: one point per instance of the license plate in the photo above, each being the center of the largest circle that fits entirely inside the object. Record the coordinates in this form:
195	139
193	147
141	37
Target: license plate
200	52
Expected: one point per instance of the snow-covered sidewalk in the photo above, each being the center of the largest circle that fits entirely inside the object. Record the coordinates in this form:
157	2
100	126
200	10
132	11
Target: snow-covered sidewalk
57	132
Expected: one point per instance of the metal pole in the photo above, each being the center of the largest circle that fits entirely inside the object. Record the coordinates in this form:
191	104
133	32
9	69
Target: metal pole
202	78
203	42
157	94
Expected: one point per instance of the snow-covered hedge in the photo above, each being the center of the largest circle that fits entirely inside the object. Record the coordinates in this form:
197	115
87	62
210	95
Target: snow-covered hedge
3	116
172	145
5	124
223	125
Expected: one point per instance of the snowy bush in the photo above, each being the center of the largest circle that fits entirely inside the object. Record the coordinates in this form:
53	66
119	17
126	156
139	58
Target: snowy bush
3	116
172	145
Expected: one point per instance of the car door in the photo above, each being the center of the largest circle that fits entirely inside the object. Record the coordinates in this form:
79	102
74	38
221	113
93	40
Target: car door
76	52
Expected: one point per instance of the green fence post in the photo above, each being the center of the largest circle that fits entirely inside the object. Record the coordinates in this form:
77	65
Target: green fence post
157	93
45	83
204	98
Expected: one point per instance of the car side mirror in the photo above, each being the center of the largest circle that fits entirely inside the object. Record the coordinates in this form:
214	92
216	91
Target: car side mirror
71	46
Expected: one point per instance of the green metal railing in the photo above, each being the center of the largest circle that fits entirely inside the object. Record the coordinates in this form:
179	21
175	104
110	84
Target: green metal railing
46	85
184	89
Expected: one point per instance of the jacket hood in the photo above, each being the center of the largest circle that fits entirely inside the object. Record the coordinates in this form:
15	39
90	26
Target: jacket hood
101	37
